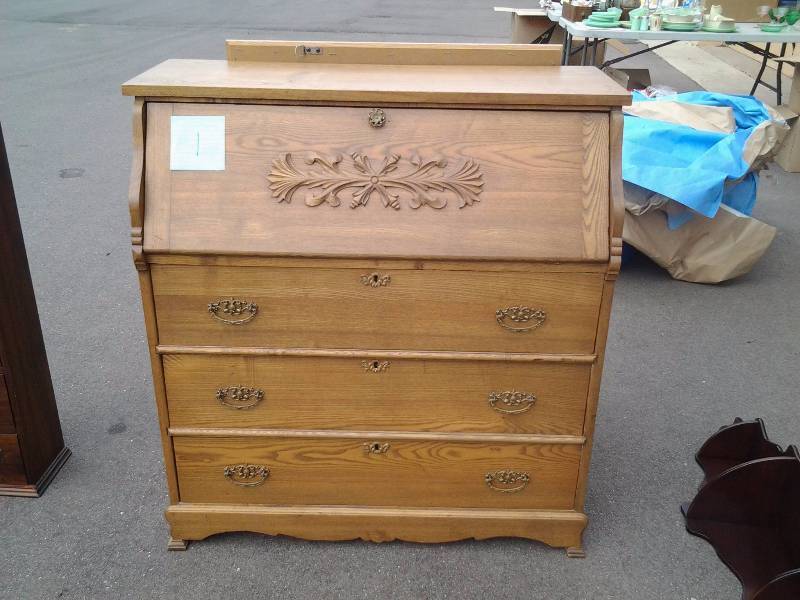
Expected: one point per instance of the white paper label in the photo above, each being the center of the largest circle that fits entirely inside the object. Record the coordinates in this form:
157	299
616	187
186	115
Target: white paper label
197	143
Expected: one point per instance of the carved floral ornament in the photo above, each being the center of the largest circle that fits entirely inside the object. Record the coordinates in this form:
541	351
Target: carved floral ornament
421	182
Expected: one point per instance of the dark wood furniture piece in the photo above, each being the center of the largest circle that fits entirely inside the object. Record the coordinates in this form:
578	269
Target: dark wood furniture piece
747	509
31	445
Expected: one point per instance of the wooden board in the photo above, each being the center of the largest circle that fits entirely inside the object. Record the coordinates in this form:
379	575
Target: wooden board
533	185
392	53
370	265
492	84
417	310
409	473
427	525
406	395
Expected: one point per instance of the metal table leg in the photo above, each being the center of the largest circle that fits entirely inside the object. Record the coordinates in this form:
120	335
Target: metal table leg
779	83
614	61
567	47
761	70
544	38
583	51
594	51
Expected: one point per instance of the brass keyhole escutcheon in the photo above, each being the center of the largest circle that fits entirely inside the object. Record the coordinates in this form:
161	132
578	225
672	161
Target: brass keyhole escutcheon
376	280
377	117
376	447
375	366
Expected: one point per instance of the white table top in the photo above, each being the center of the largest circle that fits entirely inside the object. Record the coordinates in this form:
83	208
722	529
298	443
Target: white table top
554	14
745	32
522	12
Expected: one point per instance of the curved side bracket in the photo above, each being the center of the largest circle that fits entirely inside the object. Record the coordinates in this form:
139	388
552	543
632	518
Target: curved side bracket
136	186
616	197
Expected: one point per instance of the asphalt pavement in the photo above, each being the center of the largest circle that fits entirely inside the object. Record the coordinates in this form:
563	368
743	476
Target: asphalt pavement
682	360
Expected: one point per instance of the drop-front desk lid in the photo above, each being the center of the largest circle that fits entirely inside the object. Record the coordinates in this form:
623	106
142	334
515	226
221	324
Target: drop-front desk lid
422	162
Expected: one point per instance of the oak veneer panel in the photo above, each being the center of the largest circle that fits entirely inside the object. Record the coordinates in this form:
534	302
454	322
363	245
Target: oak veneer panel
370	265
544	194
426	525
12	469
395	53
331	308
409	395
410	473
468	84
6	418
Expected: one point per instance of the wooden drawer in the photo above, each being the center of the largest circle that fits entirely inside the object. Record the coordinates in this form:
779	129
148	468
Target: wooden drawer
6	419
375	394
12	470
416	310
341	471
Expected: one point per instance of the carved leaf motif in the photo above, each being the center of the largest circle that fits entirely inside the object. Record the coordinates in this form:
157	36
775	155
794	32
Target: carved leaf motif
325	180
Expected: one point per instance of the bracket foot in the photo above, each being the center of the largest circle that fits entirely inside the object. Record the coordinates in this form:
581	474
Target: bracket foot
176	545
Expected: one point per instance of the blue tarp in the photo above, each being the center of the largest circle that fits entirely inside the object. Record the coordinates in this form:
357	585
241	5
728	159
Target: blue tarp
692	166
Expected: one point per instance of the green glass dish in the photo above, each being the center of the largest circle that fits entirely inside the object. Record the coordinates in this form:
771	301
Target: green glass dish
601	24
680	26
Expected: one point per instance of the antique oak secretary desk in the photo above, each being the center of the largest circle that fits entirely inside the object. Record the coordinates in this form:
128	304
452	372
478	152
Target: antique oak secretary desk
377	281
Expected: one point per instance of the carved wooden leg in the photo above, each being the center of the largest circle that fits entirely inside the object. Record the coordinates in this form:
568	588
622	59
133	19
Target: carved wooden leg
174	544
576	552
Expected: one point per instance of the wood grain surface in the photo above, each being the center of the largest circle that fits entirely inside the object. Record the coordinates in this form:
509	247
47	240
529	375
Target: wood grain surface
511	357
371	264
6	418
409	395
330	308
428	525
393	53
538	201
376	340
467	84
12	469
409	473
425	436
616	211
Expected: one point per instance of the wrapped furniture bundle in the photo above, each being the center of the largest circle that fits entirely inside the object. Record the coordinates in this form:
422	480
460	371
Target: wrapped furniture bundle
690	165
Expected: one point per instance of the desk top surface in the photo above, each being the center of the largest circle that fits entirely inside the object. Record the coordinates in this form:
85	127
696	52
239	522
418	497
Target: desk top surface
445	84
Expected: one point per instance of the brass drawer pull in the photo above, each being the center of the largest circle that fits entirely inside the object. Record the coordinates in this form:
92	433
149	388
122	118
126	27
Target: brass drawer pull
375	366
530	317
511	402
507	481
376	280
239	397
246	475
376	447
377	118
234	308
